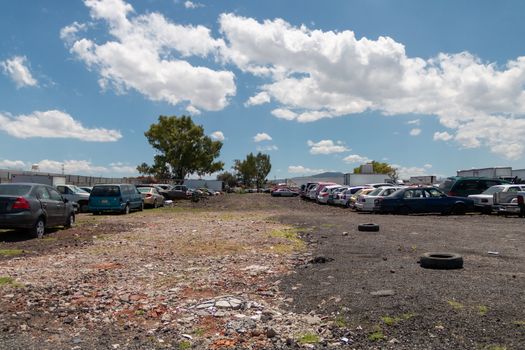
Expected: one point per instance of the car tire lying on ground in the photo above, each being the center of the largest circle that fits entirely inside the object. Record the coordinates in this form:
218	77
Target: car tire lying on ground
442	261
368	227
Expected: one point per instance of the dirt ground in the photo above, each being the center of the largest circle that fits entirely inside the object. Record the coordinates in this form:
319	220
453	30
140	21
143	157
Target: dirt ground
255	272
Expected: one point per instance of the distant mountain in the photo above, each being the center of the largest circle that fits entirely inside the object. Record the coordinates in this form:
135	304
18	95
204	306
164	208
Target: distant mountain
328	174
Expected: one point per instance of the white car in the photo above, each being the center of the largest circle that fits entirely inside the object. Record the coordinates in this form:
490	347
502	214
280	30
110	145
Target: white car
323	195
366	202
485	200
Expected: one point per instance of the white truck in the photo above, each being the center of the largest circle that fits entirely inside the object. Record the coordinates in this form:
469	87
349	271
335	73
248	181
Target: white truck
363	179
51	180
509	203
77	196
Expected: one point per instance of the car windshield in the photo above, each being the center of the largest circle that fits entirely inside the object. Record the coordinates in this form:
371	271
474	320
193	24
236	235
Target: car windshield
376	192
105	191
493	189
446	185
14	190
144	189
76	189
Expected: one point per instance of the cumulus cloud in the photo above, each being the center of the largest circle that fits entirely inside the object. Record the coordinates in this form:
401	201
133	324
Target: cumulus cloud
69	33
442	136
355	158
258	99
316	74
85	167
326	147
299	169
268	148
192	5
217	135
16	69
414	122
53	124
415	132
262	136
146	53
12	164
406	172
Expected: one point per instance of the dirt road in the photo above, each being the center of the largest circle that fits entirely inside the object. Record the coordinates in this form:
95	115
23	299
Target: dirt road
255	272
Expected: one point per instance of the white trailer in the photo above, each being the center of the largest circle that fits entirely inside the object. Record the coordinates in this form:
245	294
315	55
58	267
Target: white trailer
494	172
51	180
363	179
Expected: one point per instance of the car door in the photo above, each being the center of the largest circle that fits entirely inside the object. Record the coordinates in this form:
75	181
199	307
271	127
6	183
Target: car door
42	194
414	199
55	207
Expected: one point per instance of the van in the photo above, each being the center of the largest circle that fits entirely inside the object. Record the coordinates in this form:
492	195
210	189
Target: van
458	186
115	197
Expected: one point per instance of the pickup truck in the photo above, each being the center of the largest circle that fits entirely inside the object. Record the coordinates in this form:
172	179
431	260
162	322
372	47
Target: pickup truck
509	203
77	196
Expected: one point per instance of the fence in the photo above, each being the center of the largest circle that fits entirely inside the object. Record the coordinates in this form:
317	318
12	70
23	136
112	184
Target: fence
79	180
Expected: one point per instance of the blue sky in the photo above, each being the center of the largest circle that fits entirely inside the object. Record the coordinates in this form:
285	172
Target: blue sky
430	87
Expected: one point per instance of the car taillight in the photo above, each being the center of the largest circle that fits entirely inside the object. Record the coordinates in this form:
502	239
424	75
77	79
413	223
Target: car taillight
148	195
21	203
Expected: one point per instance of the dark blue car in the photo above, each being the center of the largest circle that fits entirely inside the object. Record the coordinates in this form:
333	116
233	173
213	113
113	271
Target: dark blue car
422	200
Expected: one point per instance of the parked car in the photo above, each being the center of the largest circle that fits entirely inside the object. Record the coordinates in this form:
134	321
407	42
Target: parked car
305	188
115	197
426	199
365	202
177	192
77	196
86	188
151	196
380	184
344	196
353	198
485	200
284	192
334	195
34	207
465	186
322	197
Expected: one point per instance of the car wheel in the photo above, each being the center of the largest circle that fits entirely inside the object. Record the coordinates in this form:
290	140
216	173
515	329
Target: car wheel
459	209
443	261
141	208
70	221
155	205
126	210
83	208
39	228
368	227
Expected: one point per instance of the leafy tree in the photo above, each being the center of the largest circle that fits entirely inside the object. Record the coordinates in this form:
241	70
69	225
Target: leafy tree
183	149
228	178
253	169
381	168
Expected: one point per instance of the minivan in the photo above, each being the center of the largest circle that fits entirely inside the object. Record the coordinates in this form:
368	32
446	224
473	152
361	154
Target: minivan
464	186
115	197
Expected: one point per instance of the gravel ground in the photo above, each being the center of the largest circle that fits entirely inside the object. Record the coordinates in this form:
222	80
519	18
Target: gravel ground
255	272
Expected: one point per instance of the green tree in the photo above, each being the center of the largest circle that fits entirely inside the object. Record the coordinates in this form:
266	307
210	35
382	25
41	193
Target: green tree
182	148
228	178
253	170
381	168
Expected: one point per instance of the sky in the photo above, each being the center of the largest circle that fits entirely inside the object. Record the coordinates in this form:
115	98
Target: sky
427	86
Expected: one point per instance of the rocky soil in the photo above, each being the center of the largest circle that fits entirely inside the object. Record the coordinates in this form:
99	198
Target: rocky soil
255	272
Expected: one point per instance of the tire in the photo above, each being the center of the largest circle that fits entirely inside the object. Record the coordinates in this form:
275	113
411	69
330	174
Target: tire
70	221
83	207
459	209
126	210
441	261
39	228
155	204
368	227
141	208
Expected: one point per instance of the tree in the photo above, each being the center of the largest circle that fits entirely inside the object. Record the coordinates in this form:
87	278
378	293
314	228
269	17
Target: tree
253	169
228	178
183	149
381	168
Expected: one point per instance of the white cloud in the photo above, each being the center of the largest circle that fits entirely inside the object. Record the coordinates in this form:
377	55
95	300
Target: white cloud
262	136
217	135
12	164
192	110
414	122
258	99
442	136
318	74
268	148
407	172
69	33
326	147
415	132
146	53
192	5
85	167
299	169
355	158
53	124
16	68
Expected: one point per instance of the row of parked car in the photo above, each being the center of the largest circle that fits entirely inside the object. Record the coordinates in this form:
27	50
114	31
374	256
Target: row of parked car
455	195
34	207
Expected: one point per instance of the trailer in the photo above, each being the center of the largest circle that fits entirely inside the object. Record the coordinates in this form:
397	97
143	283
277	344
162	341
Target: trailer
51	180
504	173
423	180
351	179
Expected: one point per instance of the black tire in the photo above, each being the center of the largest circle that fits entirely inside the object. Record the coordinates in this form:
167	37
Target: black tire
126	210
70	221
83	207
441	261
38	229
155	205
368	227
459	209
141	206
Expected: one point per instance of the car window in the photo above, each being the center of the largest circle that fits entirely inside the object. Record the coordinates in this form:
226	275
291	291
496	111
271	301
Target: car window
105	191
488	183
513	189
53	194
467	185
14	190
62	189
41	193
434	193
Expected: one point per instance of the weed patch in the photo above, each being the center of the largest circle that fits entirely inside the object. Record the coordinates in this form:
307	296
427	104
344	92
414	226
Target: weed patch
376	335
183	345
9	281
482	310
11	252
455	305
308	338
